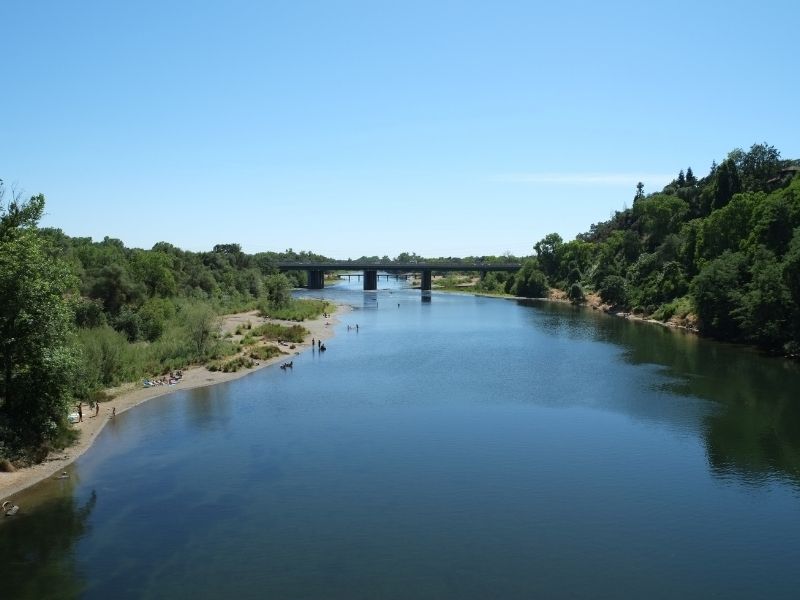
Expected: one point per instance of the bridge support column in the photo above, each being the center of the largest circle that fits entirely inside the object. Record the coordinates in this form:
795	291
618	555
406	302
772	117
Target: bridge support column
370	279
316	279
426	280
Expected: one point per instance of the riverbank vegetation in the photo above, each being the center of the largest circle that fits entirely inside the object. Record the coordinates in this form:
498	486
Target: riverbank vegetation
721	252
79	316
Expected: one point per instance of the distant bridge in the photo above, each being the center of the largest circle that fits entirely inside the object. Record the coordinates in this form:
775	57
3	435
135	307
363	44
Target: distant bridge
316	270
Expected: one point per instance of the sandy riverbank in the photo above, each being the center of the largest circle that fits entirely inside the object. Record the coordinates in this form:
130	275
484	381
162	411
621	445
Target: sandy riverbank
130	395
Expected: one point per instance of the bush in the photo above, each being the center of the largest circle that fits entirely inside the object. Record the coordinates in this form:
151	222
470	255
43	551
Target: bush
612	290
274	331
231	366
265	352
295	309
575	294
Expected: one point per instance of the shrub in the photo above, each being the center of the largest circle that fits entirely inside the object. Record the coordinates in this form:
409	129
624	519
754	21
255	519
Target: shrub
575	294
274	331
265	352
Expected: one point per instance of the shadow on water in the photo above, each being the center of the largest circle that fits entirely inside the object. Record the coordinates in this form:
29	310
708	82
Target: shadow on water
754	430
37	554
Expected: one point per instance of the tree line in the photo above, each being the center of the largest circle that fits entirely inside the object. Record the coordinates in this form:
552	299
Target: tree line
721	251
78	316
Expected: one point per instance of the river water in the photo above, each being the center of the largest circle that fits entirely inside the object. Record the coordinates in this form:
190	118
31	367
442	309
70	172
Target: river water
459	448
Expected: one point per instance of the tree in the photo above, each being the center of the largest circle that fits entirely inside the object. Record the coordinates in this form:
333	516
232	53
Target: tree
717	293
37	358
278	290
201	326
681	179
612	290
639	192
766	305
546	250
690	178
575	294
726	184
757	166
529	281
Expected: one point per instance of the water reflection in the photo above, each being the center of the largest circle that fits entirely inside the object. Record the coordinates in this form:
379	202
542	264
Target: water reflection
208	407
753	433
37	557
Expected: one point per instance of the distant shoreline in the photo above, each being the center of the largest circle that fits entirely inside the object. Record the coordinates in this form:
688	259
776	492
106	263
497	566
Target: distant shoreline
133	394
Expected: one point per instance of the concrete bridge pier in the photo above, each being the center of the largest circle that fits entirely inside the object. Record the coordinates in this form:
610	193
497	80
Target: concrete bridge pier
316	279
370	279
426	280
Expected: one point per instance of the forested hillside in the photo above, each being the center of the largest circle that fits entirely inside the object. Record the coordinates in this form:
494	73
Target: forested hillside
724	247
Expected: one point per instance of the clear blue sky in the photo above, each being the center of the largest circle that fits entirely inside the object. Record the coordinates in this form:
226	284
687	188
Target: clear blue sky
350	128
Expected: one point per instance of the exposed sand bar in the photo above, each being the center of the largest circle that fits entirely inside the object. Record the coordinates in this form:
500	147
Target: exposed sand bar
131	395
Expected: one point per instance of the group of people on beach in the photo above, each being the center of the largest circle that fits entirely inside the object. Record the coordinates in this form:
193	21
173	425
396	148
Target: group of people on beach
174	377
79	406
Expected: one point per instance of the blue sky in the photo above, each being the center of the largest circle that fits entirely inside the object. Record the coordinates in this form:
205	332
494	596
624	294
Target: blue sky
352	128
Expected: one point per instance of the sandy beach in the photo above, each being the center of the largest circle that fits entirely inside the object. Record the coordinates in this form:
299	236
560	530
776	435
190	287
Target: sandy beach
133	394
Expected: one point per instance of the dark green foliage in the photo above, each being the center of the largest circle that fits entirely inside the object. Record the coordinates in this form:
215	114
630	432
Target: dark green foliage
726	246
546	250
89	313
717	292
726	184
529	281
612	290
765	309
575	294
757	166
38	362
128	323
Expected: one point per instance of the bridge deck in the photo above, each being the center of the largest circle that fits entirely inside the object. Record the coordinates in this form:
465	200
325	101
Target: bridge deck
405	267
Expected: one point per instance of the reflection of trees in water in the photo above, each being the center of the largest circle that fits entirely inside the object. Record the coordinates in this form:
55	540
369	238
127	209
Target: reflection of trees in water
36	551
208	407
756	430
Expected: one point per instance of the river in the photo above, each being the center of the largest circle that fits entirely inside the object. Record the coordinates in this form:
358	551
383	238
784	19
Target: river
464	447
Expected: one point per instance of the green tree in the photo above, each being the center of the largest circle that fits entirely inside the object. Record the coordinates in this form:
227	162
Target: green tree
757	166
37	358
612	290
726	184
575	294
278	290
717	293
660	215
639	192
201	327
529	281
546	249
766	305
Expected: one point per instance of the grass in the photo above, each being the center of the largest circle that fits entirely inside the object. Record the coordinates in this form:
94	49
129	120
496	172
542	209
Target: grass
297	309
231	366
264	352
680	307
276	332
